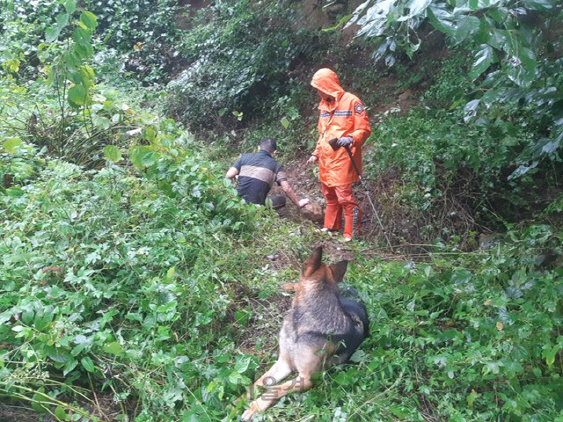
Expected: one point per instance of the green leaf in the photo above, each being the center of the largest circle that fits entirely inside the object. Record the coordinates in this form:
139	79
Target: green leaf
415	7
101	121
60	414
285	122
11	145
83	50
528	58
69	366
541	5
40	401
550	353
112	153
472	397
484	58
82	36
89	19
441	19
43	319
143	156
53	32
77	95
114	348
242	365
70	6
14	192
87	364
467	26
341	22
87	75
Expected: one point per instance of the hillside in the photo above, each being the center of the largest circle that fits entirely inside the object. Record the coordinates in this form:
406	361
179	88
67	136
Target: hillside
135	285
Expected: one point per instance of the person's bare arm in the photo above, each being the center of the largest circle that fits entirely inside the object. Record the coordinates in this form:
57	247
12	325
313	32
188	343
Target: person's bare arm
291	195
231	173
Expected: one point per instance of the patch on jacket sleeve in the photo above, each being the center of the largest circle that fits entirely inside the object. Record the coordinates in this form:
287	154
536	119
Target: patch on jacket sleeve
359	108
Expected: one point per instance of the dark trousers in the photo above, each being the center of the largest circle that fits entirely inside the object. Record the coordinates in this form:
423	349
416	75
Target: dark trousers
276	201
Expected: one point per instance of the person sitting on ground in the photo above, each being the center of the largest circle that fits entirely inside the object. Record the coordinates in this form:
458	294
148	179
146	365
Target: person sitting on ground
257	172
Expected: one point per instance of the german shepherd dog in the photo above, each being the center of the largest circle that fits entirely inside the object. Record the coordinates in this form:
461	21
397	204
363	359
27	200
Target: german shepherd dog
322	327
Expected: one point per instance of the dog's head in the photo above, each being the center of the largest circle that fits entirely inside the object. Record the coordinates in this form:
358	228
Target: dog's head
315	271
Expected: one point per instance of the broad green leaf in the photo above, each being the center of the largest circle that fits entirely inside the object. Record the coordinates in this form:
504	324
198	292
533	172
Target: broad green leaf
11	145
70	6
14	192
142	156
87	364
520	75
69	366
43	318
499	15
112	153
285	122
101	121
470	109
528	58
541	5
53	32
415	7
242	365
13	65
87	75
77	95
484	58
89	19
40	401
58	355
472	397
60	414
550	353
468	26
441	19
114	348
81	35
522	170
341	22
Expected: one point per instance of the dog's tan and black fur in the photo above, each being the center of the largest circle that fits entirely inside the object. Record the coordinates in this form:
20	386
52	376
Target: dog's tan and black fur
322	327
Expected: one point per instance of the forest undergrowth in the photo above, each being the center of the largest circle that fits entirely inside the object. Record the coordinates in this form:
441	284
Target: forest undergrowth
136	286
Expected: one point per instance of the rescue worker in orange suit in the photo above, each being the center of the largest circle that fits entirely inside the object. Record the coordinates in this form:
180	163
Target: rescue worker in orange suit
342	116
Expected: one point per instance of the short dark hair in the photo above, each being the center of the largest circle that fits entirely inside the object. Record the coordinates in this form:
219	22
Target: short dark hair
269	144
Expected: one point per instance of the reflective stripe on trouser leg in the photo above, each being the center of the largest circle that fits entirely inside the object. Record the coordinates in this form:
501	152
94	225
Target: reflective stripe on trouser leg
352	212
333	213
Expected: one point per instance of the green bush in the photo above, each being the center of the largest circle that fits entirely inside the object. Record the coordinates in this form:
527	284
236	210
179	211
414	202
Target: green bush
238	58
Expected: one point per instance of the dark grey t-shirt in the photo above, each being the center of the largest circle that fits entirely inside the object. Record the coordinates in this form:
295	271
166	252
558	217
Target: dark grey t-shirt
257	173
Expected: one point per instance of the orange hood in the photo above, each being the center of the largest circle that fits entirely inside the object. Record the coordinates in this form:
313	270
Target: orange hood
327	81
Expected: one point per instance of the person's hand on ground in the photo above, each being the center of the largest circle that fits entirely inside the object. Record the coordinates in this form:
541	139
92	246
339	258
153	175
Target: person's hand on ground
303	202
312	159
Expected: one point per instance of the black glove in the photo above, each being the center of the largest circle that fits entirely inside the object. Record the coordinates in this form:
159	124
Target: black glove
345	141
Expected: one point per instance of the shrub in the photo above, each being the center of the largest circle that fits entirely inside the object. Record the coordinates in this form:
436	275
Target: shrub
238	59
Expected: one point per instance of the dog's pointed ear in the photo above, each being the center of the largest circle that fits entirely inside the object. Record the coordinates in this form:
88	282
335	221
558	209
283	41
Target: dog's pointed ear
313	263
338	270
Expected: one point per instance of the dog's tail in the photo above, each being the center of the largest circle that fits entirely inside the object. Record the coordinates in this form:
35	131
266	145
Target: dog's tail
358	331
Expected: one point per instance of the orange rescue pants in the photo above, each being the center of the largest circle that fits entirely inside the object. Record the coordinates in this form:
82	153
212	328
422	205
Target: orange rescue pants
340	198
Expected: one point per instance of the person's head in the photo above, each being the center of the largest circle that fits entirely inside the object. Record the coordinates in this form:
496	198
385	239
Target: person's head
327	84
269	144
324	95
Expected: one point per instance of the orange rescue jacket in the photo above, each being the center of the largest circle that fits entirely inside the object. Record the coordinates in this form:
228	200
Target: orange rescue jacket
344	116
